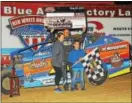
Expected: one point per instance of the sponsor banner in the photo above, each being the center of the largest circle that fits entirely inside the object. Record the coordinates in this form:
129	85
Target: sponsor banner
43	81
117	27
37	66
19	21
65	17
120	48
18	8
71	22
46	81
108	11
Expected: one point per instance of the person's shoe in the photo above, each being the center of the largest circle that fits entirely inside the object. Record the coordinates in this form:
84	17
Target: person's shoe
60	89
57	90
76	87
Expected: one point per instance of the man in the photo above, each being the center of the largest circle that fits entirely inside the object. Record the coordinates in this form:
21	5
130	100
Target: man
68	41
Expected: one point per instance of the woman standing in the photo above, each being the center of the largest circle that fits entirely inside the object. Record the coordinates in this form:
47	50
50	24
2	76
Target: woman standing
58	60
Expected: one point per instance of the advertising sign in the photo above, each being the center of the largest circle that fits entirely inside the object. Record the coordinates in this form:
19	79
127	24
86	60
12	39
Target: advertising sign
65	17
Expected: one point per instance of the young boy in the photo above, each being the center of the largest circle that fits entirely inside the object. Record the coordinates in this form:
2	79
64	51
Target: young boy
75	56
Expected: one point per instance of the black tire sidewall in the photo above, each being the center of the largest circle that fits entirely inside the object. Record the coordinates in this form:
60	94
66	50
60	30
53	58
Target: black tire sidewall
5	74
101	81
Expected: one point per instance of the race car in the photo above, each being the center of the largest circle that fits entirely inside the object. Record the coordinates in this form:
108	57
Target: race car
34	69
114	53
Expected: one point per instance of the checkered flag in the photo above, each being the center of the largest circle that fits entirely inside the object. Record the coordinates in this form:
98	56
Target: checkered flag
93	65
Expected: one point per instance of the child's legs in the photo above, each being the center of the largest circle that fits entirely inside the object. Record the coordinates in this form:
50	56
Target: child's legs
74	75
82	78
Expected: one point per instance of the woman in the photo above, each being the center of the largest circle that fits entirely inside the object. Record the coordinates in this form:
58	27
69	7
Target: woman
58	60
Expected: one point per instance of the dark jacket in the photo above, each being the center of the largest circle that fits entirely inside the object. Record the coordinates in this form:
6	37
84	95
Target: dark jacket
57	54
68	42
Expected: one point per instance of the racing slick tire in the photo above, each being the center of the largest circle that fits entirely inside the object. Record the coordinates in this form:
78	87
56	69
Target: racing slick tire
5	81
98	81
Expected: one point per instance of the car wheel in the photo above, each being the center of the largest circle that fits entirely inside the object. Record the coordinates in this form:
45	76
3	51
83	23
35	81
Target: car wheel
98	81
5	83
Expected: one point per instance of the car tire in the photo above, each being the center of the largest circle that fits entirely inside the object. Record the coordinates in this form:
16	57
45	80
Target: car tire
5	83
98	81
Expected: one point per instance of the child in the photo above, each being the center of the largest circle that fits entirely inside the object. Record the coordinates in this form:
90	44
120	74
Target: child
76	56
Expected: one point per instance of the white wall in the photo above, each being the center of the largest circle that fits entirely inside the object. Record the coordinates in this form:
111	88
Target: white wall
110	23
9	41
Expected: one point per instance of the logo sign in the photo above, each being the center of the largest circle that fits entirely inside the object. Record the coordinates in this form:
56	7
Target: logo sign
30	30
95	28
59	18
49	9
116	60
59	22
38	64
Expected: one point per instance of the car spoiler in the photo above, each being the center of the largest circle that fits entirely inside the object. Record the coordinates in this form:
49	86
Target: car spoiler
16	52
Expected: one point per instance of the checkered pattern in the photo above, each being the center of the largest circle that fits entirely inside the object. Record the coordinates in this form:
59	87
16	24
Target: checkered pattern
98	71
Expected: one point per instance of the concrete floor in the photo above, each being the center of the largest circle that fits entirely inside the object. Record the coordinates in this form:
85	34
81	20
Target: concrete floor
118	89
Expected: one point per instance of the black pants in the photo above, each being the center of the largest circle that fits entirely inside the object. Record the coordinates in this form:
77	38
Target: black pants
64	74
58	75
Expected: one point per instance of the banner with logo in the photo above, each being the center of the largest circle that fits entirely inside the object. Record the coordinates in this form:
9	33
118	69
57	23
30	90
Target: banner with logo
65	17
